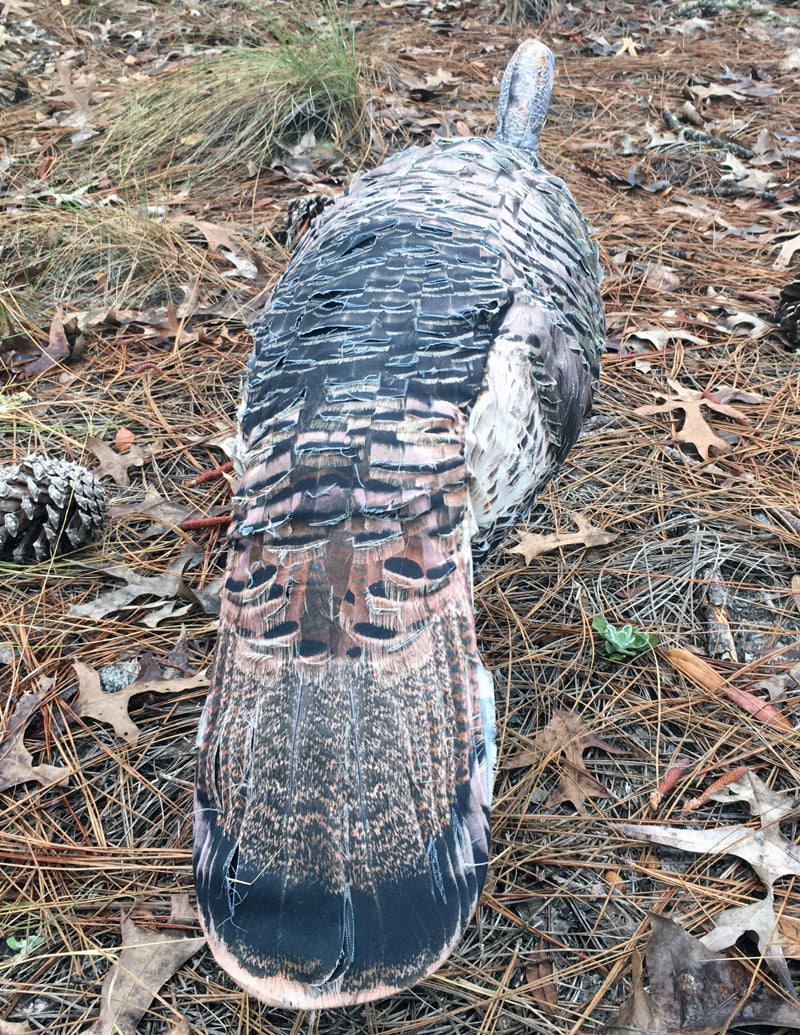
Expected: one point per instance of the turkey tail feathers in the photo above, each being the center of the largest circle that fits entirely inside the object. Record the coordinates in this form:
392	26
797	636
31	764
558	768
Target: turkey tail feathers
341	825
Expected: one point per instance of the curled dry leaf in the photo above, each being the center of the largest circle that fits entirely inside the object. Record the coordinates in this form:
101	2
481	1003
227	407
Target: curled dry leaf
542	987
15	1028
30	364
112	708
771	855
164	587
15	760
532	545
759	917
700	672
148	959
696	991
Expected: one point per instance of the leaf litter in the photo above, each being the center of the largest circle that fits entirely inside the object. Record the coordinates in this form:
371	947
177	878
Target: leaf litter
155	333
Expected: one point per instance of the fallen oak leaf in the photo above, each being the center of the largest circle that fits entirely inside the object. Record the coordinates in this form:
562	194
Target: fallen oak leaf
539	980
700	672
694	991
148	959
566	735
48	356
163	587
15	760
154	508
112	463
93	702
576	785
759	917
770	857
15	1028
532	544
216	234
695	429
789	930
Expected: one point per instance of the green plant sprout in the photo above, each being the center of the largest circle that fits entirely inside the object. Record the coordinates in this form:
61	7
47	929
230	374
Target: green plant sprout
25	946
624	642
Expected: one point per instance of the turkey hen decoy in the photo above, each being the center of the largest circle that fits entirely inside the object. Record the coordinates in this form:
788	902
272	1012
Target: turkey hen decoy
420	372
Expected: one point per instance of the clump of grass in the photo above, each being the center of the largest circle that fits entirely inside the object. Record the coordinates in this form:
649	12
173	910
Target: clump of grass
233	111
116	255
524	12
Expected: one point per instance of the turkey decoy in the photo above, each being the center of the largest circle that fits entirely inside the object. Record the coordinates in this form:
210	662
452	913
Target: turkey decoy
420	372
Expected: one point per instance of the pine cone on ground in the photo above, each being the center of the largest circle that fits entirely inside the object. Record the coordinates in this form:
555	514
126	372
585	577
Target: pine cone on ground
48	507
788	311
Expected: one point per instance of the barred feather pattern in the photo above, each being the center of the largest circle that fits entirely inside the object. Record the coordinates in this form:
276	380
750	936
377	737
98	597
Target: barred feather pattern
421	370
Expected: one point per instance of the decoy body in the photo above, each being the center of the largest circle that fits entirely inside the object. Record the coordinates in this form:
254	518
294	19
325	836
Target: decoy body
420	371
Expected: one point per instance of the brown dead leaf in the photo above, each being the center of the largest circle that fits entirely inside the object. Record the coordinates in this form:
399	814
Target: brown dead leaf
695	429
796	590
162	587
577	785
112	464
758	917
93	702
700	672
542	988
165	587
779	686
78	92
123	439
532	544
148	959
29	364
153	507
694	991
15	759
789	931
786	253
566	735
769	853
661	278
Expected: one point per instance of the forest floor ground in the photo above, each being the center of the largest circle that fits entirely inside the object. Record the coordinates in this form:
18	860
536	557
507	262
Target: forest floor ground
138	235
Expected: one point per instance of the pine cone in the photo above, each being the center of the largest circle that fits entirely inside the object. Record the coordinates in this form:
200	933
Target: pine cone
788	311
48	507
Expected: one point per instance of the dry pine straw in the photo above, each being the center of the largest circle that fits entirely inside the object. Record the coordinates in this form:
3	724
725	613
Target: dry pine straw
119	834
